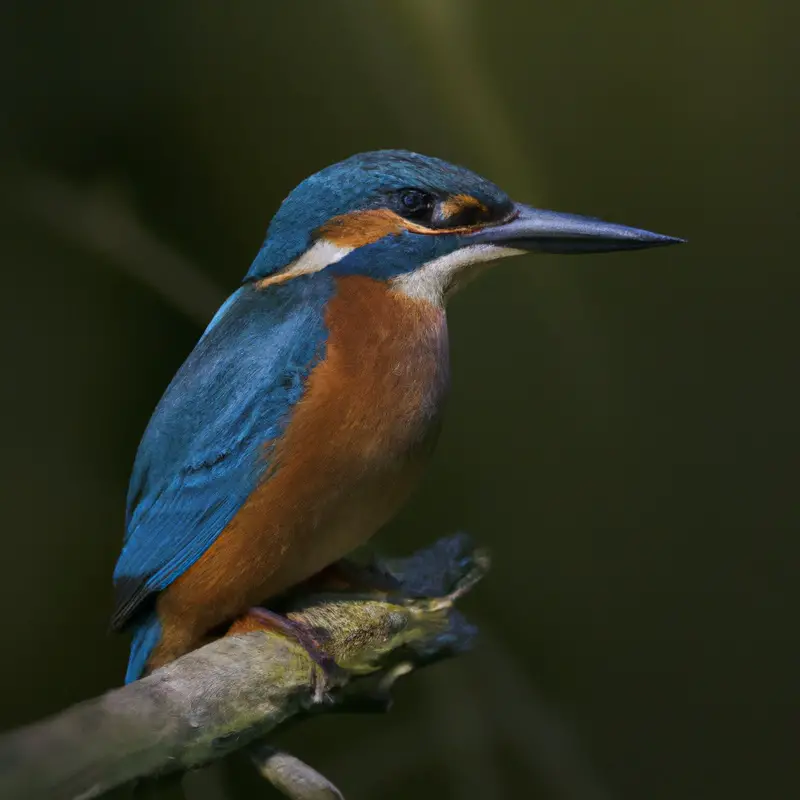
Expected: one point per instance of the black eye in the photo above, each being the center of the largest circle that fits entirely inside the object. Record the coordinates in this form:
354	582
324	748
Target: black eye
416	204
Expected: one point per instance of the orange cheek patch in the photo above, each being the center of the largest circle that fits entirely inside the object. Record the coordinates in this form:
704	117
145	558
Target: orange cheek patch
457	204
361	227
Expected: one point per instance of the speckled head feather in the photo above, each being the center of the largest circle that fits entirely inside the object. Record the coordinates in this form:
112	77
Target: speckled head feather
362	182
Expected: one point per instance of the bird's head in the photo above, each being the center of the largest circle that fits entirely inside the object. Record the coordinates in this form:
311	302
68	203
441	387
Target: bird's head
419	222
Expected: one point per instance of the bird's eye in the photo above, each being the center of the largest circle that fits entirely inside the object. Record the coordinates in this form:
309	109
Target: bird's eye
416	204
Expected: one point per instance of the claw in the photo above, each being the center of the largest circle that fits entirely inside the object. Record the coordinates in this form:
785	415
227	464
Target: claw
323	667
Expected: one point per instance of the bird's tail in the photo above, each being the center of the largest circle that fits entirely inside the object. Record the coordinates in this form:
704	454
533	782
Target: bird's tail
146	634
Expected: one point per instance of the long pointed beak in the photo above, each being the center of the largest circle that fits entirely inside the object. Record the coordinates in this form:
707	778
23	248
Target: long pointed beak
554	232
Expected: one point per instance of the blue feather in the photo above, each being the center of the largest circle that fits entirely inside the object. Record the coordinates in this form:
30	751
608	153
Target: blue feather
203	451
394	255
145	638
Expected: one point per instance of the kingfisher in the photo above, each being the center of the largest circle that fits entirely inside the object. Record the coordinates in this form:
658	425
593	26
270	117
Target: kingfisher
309	407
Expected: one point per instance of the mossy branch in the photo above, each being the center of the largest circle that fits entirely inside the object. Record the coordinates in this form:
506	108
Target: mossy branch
236	690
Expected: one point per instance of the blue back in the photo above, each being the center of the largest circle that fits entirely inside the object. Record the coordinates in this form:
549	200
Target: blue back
201	455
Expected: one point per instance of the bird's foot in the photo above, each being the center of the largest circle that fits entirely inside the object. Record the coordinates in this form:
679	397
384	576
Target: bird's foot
262	619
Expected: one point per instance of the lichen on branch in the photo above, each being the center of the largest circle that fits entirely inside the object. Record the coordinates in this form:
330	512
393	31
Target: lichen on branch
235	691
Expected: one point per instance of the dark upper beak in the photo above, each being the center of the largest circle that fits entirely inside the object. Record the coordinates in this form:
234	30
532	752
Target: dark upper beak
554	232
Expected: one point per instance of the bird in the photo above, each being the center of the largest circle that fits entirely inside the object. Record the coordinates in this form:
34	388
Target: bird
305	415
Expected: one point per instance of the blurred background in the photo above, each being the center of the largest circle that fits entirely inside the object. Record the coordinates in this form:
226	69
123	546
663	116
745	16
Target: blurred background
623	430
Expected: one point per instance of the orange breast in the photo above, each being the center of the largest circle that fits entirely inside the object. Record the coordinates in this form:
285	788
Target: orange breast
352	452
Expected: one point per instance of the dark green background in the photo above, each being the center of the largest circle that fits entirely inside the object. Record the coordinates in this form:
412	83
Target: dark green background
623	430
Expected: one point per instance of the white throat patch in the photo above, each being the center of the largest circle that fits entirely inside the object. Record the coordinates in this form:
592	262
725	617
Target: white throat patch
431	281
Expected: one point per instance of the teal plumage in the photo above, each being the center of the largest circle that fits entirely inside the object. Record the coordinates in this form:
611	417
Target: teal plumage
199	459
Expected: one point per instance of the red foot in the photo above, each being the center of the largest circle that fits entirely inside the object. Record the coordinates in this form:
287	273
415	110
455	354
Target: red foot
262	619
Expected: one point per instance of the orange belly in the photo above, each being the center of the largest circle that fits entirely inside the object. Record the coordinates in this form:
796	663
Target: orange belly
354	449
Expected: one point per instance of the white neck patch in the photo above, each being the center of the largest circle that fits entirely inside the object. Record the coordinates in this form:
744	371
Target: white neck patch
321	254
431	281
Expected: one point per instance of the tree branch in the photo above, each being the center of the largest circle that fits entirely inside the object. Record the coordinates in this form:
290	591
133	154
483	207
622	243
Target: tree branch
233	692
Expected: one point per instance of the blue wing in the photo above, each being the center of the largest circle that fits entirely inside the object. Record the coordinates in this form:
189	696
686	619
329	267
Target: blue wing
202	453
